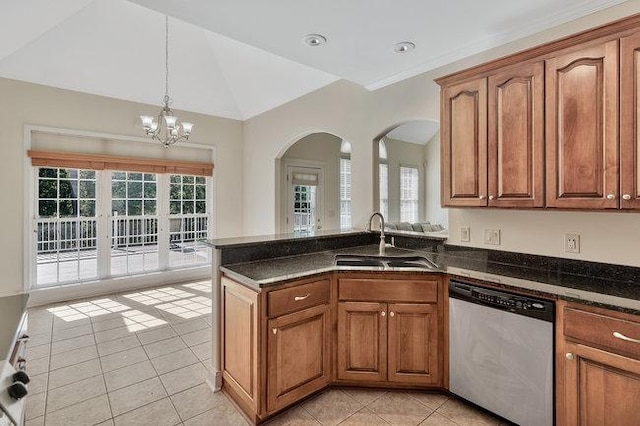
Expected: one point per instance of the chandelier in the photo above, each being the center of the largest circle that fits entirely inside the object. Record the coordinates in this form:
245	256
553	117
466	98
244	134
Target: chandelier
165	128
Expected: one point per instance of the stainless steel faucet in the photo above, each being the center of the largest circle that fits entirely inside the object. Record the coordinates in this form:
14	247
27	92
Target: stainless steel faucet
382	241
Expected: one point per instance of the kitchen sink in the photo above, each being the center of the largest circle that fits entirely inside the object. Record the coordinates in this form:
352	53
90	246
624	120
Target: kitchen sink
416	262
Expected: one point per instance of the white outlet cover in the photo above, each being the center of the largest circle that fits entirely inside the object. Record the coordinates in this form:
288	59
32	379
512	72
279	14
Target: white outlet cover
465	234
572	243
492	236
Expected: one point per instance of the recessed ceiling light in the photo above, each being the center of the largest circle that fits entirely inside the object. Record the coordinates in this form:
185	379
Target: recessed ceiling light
404	47
315	39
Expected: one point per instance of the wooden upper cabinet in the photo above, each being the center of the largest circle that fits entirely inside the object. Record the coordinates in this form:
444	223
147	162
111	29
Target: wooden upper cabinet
516	137
629	121
582	128
464	144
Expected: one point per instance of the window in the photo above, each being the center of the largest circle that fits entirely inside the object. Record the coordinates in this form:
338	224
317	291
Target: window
383	178
188	220
345	185
304	209
409	194
81	236
66	225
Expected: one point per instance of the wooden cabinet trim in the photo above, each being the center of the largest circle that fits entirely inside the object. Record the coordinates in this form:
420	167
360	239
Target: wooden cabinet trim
370	289
629	125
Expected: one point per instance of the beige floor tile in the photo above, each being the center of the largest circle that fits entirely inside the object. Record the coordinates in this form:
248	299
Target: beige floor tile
164	347
90	412
123	359
364	396
74	373
109	324
432	400
38	421
69	333
203	350
35	405
38	365
184	378
60	324
197	337
156	334
40	338
437	420
73	357
107	423
364	417
466	415
38	383
119	345
296	416
72	344
196	400
224	414
398	408
75	392
35	352
174	361
332	407
190	326
135	396
159	413
129	375
113	334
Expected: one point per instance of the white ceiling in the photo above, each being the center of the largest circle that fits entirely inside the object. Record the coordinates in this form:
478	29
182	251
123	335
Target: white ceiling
418	132
237	59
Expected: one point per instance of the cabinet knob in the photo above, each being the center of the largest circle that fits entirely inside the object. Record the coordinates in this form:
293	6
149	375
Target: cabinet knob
491	197
569	356
611	197
383	313
626	197
392	314
275	331
482	197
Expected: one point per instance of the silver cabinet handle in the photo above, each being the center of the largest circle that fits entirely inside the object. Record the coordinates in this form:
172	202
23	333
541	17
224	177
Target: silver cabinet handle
626	197
569	356
299	298
391	314
625	338
383	313
611	197
482	197
491	197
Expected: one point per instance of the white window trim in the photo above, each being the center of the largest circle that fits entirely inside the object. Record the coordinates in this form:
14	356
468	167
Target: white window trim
122	282
284	202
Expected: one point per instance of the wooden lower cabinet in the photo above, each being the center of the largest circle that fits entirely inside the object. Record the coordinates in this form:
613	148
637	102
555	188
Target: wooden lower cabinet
390	342
298	356
597	373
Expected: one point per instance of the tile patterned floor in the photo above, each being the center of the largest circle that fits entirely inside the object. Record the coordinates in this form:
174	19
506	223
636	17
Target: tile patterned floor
141	357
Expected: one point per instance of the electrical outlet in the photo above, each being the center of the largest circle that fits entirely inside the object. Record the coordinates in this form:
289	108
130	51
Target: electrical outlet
492	236
465	234
572	243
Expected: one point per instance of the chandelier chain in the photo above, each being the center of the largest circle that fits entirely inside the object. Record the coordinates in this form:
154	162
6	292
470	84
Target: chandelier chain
166	58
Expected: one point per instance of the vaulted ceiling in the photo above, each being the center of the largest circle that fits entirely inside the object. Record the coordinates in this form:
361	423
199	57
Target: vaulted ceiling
237	59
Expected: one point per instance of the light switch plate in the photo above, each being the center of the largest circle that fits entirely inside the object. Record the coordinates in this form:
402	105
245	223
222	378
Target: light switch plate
465	234
492	236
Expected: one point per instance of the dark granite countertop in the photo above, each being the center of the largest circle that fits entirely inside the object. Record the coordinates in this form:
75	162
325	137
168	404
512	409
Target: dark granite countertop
266	239
607	285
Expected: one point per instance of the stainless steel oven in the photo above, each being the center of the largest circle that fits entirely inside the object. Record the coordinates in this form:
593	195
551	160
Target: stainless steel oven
501	352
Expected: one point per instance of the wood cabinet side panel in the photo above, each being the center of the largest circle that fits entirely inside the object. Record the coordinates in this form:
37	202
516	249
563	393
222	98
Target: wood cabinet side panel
629	121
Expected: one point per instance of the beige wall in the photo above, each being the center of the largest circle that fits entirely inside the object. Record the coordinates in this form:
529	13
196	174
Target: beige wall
324	149
359	116
434	213
24	103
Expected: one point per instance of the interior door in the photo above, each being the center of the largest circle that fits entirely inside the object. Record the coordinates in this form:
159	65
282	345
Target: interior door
305	186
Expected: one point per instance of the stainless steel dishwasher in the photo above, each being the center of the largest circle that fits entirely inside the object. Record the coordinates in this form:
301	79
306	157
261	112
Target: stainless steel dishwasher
501	352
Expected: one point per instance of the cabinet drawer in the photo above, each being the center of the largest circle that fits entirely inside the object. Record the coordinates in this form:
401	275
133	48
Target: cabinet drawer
363	289
601	330
293	299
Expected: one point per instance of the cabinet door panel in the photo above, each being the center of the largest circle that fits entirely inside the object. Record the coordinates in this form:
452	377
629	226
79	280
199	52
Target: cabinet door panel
464	144
413	343
516	137
601	388
298	356
630	121
362	341
582	128
240	337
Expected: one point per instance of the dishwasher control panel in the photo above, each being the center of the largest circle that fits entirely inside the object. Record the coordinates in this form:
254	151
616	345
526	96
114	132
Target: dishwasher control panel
505	300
